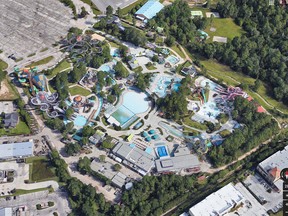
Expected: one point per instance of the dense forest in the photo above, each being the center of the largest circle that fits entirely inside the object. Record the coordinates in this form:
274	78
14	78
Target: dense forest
262	52
257	128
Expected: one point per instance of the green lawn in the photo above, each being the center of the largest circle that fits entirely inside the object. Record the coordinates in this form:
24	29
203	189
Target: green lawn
225	27
95	10
138	69
230	77
21	191
187	121
44	49
150	67
3	65
20	129
61	66
114	44
40	169
77	90
41	62
177	49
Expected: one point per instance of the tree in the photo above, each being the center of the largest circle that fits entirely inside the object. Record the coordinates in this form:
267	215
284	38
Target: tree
119	13
120	70
155	58
117	167
87	131
72	148
83	12
170	41
84	165
107	143
78	72
69	112
109	11
257	85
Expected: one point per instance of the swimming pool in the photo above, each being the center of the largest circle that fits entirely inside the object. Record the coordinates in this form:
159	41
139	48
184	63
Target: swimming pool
80	121
173	59
164	82
212	85
162	151
114	52
136	102
105	68
122	114
132	103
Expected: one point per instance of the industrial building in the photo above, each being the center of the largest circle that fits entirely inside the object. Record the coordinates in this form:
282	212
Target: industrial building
134	157
16	150
149	10
182	159
218	203
271	167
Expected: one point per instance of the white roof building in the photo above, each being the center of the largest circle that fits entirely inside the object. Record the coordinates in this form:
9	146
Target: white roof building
6	212
16	150
218	203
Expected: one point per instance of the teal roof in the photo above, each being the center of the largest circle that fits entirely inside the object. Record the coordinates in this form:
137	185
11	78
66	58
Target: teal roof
150	9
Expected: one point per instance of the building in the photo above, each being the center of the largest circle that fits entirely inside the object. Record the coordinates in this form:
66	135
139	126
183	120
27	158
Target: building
271	167
189	71
149	10
134	157
97	137
11	120
6	212
218	203
16	150
6	106
119	180
182	160
196	13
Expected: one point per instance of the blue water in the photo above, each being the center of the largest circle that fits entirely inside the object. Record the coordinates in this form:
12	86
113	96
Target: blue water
99	107
68	103
135	102
114	53
80	121
162	152
149	150
122	114
173	59
163	84
105	68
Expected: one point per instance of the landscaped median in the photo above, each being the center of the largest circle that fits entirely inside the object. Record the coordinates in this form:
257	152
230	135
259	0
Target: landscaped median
77	90
41	62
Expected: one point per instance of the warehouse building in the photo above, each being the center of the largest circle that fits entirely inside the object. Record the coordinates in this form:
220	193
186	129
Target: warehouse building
16	150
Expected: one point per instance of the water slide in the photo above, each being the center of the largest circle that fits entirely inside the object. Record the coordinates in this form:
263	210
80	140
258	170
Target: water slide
204	96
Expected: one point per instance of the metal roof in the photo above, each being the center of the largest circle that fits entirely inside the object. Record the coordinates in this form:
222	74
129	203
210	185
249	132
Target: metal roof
150	9
11	150
6	212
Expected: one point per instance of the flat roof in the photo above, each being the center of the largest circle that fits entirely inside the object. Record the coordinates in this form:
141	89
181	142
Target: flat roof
196	13
150	9
119	179
16	150
6	106
217	203
6	212
134	155
177	163
279	159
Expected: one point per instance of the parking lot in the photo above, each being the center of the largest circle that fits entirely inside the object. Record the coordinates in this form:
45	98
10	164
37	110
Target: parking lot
29	26
103	4
61	205
265	194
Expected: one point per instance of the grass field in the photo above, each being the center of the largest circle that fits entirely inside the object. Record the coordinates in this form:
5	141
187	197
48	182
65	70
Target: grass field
7	92
150	67
230	77
113	44
225	27
41	62
21	191
40	169
177	49
204	10
21	128
187	121
3	65
77	90
61	66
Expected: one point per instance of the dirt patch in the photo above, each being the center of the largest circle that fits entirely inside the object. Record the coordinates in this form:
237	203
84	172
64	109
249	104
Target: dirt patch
6	91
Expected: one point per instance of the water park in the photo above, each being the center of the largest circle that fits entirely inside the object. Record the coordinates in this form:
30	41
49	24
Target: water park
131	105
161	84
